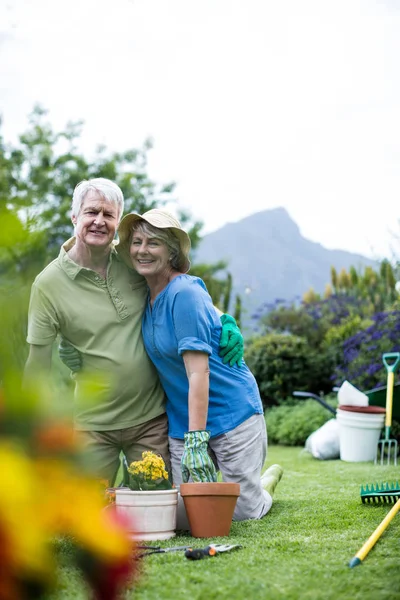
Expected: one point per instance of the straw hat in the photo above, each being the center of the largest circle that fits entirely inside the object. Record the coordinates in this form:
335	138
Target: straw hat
162	220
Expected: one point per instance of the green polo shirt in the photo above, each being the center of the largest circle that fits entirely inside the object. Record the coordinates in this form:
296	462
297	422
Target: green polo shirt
118	386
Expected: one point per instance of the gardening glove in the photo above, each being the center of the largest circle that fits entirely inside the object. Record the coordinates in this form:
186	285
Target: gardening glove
196	462
70	356
231	343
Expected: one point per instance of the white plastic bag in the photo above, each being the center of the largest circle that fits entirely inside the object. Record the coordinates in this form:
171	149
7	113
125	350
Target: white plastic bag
351	396
324	442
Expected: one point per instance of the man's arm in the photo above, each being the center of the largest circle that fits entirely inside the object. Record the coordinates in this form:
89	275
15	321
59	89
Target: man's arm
231	343
38	363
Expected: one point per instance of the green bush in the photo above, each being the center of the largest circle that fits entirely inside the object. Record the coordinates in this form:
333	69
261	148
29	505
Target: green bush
290	425
283	363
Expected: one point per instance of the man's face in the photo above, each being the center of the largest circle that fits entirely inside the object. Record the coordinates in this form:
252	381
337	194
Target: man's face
97	221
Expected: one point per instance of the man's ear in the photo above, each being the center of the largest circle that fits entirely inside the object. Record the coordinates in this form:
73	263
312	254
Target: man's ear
73	219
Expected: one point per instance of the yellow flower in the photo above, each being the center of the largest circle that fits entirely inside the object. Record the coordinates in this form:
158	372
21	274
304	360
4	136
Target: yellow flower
22	515
151	467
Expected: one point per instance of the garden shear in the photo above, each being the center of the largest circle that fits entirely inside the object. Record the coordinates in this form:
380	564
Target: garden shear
211	550
190	552
158	550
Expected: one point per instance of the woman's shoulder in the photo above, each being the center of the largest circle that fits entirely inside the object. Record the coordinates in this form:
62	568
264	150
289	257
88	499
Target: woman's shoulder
188	282
188	288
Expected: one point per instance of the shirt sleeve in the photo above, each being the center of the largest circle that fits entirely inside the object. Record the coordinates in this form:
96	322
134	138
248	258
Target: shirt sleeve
193	317
43	323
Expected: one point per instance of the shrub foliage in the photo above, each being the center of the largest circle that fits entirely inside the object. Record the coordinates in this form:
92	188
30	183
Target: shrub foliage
290	425
283	363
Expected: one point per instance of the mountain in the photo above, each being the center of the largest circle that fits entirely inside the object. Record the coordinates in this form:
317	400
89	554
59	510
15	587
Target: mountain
269	259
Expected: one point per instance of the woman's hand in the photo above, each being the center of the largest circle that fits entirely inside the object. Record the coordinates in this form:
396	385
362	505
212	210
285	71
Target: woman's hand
196	462
70	356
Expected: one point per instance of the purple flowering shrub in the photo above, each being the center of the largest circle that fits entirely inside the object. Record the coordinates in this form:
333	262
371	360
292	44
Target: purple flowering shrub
361	360
310	320
299	350
314	346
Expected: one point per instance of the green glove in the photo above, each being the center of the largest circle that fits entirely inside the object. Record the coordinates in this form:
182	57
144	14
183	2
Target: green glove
231	343
70	356
196	462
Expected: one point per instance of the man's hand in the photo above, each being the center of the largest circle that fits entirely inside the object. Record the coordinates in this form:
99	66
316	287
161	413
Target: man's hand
231	343
196	462
70	356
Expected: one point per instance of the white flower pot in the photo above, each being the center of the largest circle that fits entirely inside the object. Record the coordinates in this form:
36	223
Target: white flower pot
151	514
359	433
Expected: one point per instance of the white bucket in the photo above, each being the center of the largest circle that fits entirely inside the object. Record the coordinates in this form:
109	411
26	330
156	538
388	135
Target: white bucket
359	434
151	514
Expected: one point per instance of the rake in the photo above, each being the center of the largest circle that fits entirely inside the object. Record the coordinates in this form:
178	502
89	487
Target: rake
374	494
388	445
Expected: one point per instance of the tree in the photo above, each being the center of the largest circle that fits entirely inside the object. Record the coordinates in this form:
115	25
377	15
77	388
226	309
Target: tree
219	289
37	179
38	176
39	173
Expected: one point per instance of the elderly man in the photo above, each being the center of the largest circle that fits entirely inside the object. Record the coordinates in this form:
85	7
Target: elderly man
90	297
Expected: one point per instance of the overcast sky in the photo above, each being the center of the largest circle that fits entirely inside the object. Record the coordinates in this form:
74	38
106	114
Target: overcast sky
252	104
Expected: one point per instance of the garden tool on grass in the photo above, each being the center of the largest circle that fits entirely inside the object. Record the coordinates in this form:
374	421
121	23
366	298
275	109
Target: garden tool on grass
147	550
211	550
387	492
190	552
388	445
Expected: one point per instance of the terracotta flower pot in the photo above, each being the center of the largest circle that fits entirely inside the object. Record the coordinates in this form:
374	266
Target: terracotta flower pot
209	507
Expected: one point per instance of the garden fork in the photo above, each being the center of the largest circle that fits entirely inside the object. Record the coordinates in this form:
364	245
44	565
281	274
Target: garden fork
388	446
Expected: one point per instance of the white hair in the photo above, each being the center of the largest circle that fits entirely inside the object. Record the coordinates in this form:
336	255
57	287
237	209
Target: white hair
105	187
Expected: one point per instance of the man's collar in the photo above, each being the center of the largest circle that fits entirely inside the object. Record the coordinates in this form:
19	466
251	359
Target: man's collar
71	268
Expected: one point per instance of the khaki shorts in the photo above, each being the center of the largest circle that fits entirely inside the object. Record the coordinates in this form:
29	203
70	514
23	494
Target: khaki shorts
102	449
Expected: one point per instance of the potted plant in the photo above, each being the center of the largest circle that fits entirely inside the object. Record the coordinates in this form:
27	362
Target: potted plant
149	503
209	507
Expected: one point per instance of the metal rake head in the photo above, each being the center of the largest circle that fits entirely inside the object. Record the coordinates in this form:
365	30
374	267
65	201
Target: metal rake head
388	493
386	452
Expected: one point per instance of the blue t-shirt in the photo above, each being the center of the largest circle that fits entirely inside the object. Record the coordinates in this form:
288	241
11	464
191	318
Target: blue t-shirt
183	318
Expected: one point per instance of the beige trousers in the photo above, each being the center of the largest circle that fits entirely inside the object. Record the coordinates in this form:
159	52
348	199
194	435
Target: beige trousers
102	449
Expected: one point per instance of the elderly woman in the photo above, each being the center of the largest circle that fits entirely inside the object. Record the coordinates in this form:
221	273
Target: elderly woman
215	412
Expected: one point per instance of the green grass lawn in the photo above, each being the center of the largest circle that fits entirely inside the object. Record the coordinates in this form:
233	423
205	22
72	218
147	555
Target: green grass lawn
301	549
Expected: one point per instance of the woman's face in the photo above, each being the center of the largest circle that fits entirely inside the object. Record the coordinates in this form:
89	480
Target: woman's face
150	255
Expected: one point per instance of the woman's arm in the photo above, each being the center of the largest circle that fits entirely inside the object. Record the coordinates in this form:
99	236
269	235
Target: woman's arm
196	462
198	374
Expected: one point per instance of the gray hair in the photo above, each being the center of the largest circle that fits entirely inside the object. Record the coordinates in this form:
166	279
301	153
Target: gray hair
105	187
166	236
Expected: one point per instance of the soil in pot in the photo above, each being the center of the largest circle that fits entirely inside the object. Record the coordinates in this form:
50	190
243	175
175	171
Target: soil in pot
209	507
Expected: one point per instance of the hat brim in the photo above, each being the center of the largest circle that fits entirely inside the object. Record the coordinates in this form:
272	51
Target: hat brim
125	231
